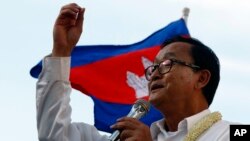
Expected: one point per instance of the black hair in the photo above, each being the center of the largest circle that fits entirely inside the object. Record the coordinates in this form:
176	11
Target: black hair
205	58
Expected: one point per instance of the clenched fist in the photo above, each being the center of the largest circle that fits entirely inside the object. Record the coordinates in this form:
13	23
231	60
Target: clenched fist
67	29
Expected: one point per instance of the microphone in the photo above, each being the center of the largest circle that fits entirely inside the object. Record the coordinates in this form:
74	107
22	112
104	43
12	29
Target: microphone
139	109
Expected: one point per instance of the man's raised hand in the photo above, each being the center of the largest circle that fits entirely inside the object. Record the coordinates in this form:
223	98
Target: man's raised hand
67	29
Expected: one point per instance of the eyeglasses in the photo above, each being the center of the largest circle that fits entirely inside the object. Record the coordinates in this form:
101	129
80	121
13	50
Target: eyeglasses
165	66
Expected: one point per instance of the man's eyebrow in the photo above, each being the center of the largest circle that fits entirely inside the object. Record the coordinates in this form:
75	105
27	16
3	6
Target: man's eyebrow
169	55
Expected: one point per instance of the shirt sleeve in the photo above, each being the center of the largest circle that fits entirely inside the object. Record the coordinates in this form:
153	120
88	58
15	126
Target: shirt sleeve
52	104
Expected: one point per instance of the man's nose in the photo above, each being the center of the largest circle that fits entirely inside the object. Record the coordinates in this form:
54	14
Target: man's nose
155	75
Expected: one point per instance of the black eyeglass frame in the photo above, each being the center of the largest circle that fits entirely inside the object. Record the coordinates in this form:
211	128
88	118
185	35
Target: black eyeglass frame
172	61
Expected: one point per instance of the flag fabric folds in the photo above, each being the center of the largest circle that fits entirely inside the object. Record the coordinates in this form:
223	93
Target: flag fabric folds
113	75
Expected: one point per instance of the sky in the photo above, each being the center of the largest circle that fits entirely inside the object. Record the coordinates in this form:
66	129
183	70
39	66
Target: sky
26	37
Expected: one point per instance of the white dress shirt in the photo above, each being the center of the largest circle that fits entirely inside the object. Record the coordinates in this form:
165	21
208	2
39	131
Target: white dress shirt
54	112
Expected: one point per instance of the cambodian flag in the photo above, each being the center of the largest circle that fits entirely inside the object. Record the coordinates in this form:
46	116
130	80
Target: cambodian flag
113	75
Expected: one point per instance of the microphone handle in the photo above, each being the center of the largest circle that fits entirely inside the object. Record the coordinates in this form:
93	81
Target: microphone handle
114	136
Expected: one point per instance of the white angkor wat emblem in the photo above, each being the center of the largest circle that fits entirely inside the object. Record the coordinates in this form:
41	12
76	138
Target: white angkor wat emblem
139	83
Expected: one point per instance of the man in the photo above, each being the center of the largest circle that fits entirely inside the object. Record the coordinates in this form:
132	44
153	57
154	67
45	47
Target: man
182	84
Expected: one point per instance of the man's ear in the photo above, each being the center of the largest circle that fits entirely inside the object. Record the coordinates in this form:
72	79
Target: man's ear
204	78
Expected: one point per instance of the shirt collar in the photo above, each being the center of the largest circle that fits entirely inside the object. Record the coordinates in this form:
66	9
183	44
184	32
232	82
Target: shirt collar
190	121
185	124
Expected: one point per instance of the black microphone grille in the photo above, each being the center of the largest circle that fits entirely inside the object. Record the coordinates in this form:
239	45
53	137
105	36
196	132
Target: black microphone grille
145	104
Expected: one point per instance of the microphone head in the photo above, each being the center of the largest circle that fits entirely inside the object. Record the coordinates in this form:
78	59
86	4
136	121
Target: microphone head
145	105
139	109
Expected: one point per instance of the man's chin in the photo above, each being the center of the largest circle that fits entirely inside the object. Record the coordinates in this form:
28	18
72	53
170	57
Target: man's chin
153	99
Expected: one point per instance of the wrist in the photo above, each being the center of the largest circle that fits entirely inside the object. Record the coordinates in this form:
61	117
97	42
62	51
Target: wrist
60	51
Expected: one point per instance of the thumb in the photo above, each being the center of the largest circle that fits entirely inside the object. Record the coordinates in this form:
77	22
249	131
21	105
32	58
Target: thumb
80	18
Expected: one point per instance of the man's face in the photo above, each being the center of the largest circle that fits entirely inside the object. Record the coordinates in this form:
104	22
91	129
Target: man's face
175	88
